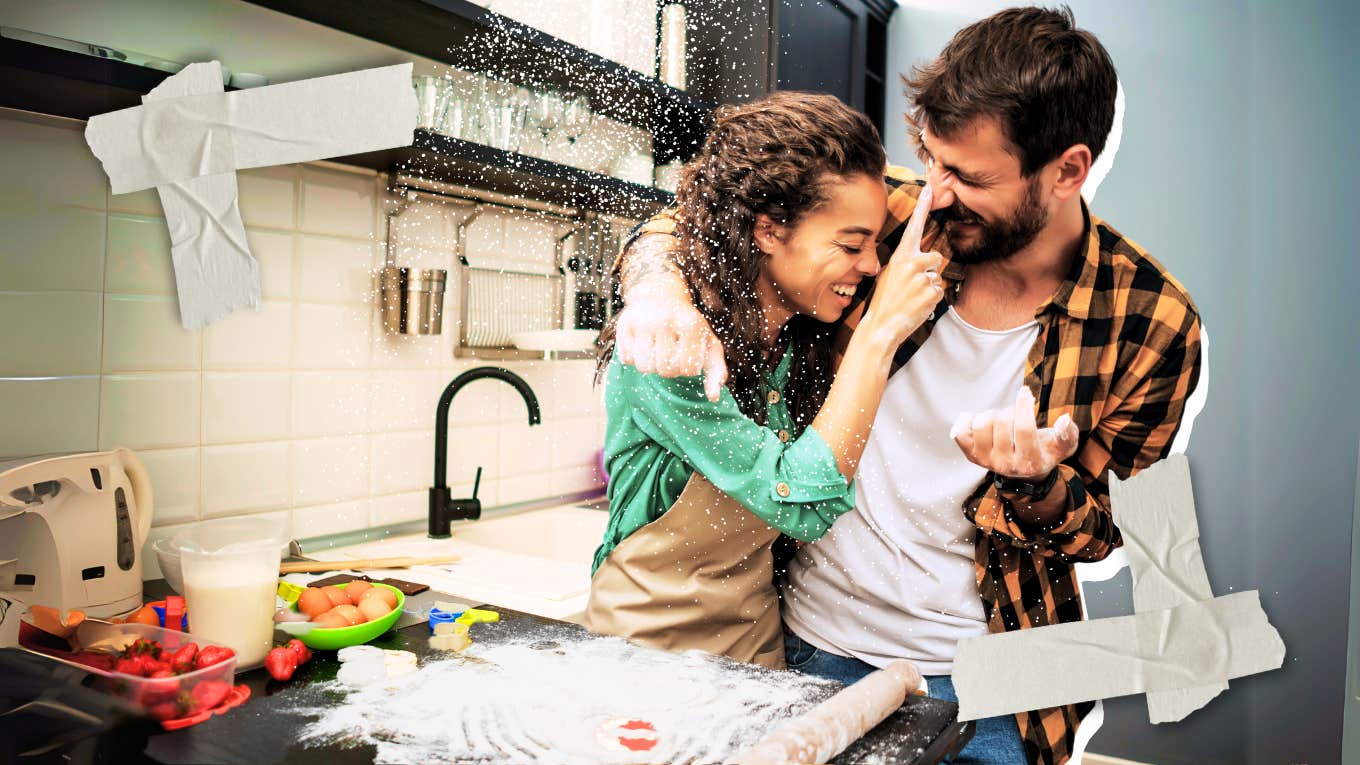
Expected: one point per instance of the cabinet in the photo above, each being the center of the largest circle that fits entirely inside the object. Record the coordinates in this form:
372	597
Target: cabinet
742	49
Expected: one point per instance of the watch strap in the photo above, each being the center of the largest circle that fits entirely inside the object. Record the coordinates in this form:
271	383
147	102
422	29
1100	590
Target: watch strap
1035	490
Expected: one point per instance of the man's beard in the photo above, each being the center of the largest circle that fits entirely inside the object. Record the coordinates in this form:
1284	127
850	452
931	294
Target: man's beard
995	241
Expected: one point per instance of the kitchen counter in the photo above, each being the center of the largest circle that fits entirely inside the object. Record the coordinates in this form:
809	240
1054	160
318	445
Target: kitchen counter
263	730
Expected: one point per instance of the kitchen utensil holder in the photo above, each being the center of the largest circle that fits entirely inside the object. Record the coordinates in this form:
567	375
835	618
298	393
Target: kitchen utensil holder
413	300
495	302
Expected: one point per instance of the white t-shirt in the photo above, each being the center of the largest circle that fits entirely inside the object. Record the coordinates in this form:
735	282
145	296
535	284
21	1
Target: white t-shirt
895	578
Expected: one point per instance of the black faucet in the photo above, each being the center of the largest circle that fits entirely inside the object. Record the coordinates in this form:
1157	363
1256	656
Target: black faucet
444	508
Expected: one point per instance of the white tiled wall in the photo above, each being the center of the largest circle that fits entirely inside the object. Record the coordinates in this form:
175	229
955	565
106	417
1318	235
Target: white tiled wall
305	410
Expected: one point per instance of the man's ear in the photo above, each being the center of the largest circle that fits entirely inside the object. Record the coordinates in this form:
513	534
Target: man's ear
769	235
1072	168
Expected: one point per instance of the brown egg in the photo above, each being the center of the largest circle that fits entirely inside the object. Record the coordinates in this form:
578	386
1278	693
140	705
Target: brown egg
374	608
330	620
351	614
313	602
389	597
356	590
337	595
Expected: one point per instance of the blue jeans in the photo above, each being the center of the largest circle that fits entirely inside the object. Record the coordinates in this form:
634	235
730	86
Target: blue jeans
996	740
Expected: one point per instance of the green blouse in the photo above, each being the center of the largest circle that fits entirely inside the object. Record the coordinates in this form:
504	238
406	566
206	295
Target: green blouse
660	431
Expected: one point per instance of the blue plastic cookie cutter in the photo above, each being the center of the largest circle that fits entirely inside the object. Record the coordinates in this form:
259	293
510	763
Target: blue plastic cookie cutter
438	617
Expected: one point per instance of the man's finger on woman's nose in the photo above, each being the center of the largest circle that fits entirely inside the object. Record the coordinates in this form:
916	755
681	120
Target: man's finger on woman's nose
911	239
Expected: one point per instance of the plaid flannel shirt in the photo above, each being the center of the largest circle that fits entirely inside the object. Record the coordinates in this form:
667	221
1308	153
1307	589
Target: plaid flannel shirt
1118	351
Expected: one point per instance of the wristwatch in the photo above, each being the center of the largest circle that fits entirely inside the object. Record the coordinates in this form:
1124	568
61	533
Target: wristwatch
1035	490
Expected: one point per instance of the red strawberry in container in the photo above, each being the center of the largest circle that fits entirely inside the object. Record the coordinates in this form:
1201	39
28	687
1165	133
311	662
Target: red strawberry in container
212	654
208	694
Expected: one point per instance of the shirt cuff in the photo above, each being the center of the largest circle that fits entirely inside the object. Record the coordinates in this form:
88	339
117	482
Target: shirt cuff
808	473
1029	535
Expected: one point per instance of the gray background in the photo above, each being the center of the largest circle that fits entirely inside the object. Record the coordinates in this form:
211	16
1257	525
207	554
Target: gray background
1237	171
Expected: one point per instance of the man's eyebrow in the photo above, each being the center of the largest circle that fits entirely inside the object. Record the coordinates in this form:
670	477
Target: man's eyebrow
951	168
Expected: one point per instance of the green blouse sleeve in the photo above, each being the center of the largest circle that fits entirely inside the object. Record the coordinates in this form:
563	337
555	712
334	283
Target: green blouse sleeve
795	487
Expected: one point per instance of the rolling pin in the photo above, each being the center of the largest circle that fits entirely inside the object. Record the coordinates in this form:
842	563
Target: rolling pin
317	566
831	726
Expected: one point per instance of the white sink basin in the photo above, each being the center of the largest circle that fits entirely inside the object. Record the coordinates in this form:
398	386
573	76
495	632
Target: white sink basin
568	534
537	562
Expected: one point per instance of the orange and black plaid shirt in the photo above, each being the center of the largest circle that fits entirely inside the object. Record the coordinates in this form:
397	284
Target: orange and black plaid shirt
1118	351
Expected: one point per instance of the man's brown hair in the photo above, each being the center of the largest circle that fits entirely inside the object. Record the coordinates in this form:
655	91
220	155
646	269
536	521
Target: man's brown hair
1051	85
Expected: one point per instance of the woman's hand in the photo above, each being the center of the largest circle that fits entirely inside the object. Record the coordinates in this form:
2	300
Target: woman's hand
908	288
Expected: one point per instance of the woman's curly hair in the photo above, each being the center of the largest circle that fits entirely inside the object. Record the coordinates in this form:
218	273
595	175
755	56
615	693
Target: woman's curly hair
778	156
775	156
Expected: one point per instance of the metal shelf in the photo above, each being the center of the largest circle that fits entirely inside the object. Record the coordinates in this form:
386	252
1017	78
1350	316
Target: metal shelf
518	354
47	80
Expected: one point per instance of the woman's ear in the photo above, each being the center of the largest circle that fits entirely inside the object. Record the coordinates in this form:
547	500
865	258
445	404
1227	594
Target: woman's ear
768	234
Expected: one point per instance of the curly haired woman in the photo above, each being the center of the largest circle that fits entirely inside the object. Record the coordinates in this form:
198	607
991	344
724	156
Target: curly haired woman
777	219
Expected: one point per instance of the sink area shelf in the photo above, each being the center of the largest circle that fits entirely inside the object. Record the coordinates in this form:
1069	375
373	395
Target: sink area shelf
470	37
46	80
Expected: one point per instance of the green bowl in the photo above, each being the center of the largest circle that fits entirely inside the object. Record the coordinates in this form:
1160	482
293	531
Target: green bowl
332	638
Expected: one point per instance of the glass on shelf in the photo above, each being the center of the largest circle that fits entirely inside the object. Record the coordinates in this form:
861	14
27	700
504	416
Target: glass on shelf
432	99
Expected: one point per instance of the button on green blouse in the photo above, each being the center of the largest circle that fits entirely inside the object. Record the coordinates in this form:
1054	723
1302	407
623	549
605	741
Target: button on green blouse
660	431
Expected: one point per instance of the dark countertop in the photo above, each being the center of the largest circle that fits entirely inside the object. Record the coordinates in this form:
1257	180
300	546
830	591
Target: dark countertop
262	730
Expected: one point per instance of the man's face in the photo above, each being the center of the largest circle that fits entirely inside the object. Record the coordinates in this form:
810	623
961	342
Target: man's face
988	209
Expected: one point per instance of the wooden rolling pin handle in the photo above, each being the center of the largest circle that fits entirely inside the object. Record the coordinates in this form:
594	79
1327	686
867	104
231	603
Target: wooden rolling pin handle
831	726
318	566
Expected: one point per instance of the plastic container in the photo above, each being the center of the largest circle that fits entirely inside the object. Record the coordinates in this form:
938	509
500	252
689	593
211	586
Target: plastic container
231	573
167	556
334	638
150	694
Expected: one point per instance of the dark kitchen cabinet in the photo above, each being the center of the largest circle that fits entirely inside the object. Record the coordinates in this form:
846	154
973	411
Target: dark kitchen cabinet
742	49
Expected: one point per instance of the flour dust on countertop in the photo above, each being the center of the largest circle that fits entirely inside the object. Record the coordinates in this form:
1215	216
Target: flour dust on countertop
562	697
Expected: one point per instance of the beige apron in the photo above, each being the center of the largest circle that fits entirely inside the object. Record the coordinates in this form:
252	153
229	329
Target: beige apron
700	576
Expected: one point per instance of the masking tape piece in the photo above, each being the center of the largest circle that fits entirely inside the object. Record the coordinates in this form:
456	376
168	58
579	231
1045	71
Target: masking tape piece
1162	650
176	139
215	272
1155	512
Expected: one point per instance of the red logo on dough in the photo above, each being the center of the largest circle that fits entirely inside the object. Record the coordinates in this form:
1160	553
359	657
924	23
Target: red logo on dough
626	734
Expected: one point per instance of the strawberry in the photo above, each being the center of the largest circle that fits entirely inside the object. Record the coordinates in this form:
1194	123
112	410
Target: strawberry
300	650
166	710
280	662
129	666
160	688
208	694
151	665
212	654
183	660
143	647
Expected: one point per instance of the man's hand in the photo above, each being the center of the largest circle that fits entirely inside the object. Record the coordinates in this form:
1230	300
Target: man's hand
1009	443
659	331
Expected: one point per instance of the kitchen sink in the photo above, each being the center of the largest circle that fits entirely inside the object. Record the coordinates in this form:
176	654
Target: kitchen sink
568	534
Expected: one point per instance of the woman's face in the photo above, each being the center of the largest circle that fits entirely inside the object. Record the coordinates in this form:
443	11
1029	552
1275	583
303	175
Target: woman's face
814	267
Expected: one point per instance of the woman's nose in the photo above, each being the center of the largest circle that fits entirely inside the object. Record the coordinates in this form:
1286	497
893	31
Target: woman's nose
868	262
942	184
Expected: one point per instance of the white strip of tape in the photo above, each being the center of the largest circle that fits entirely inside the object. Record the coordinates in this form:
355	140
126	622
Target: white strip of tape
209	133
214	271
188	139
1155	512
1163	650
